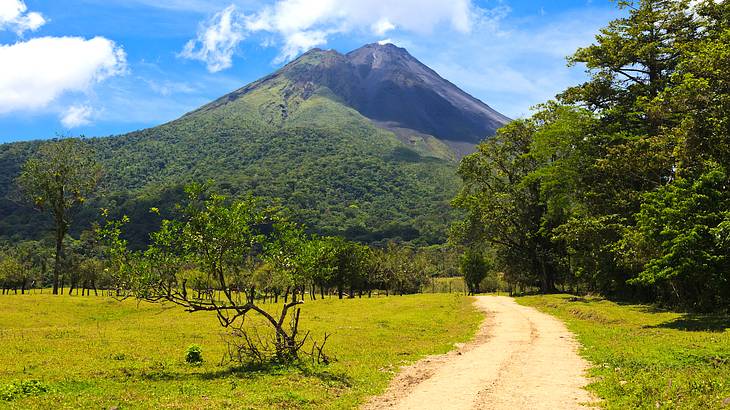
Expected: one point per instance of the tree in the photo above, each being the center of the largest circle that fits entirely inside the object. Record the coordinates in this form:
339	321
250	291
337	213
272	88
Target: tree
632	61
17	268
688	259
229	246
474	268
504	207
58	178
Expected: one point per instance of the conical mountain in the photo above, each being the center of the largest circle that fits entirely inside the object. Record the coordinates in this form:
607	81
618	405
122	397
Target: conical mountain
363	144
383	83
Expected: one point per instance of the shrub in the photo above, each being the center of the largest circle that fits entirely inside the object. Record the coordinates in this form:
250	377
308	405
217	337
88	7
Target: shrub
194	355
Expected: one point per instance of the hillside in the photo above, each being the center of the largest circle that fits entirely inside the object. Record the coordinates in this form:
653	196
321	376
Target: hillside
318	134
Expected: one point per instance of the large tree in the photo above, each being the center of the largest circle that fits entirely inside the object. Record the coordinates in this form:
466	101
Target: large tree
624	186
504	207
58	178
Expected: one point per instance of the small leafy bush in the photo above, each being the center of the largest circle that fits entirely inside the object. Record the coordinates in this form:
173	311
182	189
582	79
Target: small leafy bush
24	388
194	355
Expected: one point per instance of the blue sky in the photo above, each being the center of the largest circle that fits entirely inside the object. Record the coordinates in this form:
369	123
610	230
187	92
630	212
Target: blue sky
102	67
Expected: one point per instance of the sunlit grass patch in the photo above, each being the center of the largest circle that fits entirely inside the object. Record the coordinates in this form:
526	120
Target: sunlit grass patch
648	358
94	352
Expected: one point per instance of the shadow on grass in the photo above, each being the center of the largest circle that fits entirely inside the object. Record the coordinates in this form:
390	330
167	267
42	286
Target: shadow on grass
252	370
697	323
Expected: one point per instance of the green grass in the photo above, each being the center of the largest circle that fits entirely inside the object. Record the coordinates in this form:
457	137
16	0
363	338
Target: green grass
94	352
647	358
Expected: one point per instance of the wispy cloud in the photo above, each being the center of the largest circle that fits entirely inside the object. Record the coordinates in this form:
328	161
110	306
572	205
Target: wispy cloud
77	115
217	40
298	25
514	65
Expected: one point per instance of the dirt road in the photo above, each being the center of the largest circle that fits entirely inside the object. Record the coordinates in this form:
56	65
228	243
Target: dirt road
520	359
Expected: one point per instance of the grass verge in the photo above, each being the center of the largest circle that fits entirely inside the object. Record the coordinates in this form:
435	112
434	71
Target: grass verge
94	352
648	358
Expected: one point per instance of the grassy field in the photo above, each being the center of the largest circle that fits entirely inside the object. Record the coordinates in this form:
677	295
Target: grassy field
95	352
647	358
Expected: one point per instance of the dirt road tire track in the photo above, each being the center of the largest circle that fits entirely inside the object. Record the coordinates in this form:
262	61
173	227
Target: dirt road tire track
520	359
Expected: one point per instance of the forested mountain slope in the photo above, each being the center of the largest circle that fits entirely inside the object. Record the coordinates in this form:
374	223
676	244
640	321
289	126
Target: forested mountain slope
296	135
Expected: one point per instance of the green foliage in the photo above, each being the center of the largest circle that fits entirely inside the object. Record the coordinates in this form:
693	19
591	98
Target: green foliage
474	268
61	175
686	224
620	187
21	266
194	355
22	389
503	196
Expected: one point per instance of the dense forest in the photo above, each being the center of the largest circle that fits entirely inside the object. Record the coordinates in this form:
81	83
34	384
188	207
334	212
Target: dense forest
339	174
620	185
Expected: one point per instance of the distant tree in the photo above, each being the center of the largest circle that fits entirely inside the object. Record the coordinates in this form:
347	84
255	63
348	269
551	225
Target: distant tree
17	270
474	267
60	176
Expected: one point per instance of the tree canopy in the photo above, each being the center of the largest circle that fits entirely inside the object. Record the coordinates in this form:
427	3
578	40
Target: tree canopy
621	185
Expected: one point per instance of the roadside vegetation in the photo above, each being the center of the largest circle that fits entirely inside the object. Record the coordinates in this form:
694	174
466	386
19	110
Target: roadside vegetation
647	358
621	185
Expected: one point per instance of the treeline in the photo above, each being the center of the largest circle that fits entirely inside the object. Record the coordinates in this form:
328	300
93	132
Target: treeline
622	185
346	269
29	265
243	247
336	268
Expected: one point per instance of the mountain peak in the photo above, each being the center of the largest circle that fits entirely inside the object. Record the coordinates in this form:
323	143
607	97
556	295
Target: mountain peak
385	84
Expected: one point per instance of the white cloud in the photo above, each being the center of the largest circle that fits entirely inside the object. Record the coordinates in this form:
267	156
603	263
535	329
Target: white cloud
14	16
77	115
382	26
299	25
303	24
36	72
217	40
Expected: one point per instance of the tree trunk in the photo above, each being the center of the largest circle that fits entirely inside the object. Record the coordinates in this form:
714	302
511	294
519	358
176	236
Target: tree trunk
60	233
